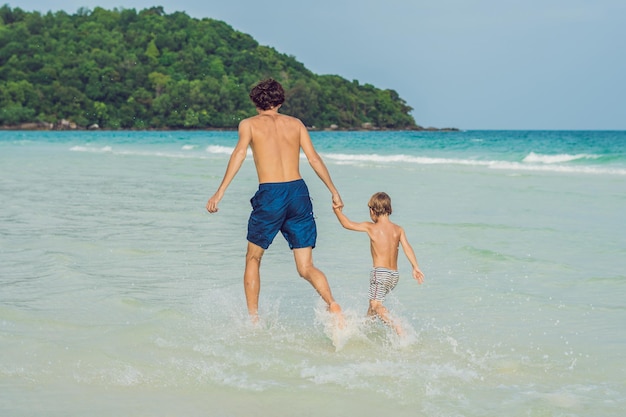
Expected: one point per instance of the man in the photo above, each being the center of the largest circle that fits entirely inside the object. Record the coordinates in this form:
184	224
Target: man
282	202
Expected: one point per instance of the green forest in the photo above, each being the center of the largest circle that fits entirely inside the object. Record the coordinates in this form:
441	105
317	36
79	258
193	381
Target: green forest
128	69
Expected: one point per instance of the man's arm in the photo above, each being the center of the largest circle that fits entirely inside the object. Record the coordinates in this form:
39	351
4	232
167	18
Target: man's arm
408	251
316	162
234	164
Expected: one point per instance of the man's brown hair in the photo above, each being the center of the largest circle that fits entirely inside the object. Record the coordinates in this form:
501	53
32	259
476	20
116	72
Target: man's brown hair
267	94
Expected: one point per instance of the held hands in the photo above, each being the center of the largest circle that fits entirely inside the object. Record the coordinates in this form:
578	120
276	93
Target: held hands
337	202
418	275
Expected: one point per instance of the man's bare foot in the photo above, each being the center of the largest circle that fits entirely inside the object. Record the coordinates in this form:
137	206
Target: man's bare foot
336	310
334	307
254	318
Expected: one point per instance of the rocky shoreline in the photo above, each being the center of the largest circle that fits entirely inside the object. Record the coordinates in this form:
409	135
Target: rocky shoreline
68	125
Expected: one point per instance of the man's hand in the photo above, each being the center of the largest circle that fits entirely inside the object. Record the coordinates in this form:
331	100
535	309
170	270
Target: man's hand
211	205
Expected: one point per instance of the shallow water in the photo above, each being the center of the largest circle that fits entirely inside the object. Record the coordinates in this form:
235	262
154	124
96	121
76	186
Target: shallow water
122	296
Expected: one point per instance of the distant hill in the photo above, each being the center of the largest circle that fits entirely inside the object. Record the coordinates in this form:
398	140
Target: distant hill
124	69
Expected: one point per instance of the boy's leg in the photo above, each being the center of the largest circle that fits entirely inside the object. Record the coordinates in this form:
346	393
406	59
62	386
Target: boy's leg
308	271
377	308
252	279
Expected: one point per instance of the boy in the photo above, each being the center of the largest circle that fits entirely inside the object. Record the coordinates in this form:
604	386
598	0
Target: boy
385	237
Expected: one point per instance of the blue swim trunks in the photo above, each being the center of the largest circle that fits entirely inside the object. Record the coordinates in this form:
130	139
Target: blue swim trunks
284	206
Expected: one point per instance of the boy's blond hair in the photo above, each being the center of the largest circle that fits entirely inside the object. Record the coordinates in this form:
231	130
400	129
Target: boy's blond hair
380	204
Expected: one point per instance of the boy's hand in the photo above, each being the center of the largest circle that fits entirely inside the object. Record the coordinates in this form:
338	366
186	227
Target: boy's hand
418	275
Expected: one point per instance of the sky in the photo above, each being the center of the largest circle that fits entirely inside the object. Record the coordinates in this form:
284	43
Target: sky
469	64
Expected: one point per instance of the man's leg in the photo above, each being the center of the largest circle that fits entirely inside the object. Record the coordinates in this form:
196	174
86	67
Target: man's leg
308	271
252	279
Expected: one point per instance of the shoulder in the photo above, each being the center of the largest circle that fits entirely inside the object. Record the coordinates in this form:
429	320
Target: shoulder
250	123
252	119
368	227
245	125
373	226
246	122
291	120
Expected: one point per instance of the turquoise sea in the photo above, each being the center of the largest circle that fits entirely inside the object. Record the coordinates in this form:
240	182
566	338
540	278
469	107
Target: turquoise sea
121	296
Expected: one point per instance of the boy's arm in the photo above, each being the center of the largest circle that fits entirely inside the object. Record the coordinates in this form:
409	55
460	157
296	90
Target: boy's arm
316	162
349	224
408	251
234	163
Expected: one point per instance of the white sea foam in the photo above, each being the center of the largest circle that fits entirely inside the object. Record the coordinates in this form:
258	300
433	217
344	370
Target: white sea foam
532	162
91	149
556	159
219	149
555	164
558	168
223	150
131	152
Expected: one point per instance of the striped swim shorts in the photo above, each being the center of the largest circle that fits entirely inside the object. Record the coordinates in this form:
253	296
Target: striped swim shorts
382	280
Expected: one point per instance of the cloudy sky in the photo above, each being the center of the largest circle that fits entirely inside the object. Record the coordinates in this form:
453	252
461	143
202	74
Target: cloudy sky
471	64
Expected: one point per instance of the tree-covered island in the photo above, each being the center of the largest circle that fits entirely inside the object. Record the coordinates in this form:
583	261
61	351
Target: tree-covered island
123	69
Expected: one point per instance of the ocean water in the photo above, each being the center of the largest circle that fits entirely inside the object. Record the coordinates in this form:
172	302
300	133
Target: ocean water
121	296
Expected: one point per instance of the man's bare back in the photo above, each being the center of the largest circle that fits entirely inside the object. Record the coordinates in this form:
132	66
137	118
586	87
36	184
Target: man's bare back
275	142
